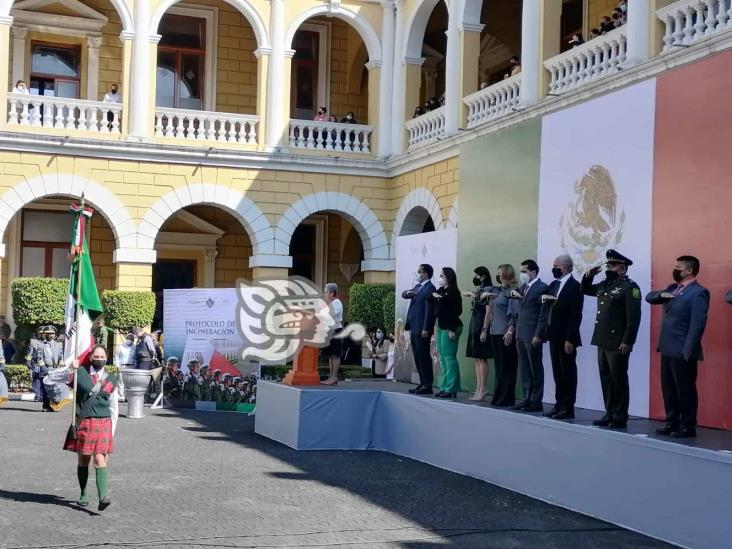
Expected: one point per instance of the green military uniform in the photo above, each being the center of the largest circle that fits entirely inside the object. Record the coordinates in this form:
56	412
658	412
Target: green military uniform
214	384
616	325
224	394
192	384
205	384
36	365
171	385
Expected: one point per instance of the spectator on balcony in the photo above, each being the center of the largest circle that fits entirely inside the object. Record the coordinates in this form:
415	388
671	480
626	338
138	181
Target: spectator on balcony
515	67
322	115
350	118
576	40
594	33
112	96
617	18
418	111
20	87
606	24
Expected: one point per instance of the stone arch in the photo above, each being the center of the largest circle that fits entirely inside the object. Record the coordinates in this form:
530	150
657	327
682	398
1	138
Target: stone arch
358	22
470	12
370	229
420	198
14	199
234	202
120	5
416	26
245	7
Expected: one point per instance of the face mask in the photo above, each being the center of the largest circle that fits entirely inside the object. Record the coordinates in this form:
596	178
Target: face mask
98	363
611	275
557	272
525	278
677	275
476	281
498	278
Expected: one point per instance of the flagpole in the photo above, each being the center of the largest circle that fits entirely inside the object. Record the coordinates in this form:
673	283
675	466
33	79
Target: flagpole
77	313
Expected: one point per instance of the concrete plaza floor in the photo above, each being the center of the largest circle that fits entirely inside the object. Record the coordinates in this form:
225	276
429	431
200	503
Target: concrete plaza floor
181	478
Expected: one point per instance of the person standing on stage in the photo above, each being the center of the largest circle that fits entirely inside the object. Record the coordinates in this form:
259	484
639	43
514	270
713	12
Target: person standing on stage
479	343
420	323
95	391
529	337
448	308
335	345
503	313
563	304
145	350
685	306
616	328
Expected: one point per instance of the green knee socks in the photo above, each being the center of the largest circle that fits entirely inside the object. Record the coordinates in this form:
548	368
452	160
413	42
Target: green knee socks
101	482
82	473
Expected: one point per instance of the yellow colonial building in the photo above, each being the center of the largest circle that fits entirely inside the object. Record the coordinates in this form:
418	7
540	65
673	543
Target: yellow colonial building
209	163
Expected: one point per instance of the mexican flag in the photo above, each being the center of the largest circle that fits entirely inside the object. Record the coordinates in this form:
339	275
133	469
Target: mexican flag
85	294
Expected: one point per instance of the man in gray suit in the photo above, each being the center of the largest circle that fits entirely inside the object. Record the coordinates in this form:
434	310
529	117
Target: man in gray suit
529	337
685	305
421	323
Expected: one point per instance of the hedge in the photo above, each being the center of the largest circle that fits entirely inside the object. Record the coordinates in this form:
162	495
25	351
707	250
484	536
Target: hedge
366	303
389	307
18	376
38	301
124	309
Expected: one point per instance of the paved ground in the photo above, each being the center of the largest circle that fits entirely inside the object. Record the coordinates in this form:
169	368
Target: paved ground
194	479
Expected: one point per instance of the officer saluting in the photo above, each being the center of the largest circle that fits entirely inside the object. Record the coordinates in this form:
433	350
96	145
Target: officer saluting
616	328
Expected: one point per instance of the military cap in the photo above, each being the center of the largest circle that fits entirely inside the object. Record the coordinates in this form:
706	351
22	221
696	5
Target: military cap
173	359
40	330
216	372
49	329
205	367
226	376
613	256
236	379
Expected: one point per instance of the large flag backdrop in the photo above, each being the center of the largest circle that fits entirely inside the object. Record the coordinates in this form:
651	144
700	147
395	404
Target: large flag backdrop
85	294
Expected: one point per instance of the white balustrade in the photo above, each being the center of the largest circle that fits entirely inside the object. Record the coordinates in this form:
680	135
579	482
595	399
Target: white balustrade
219	127
68	114
494	101
330	136
594	59
426	128
688	21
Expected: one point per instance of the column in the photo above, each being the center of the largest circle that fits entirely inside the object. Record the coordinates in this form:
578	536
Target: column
531	61
134	277
640	27
386	80
411	78
379	277
470	57
453	101
127	38
93	43
278	90
142	85
19	34
5	23
209	267
260	273
262	55
374	88
398	100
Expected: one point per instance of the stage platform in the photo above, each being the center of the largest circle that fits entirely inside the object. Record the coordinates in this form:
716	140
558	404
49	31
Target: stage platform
677	491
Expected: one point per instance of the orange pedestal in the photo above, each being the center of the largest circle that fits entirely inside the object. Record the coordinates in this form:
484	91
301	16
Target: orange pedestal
304	368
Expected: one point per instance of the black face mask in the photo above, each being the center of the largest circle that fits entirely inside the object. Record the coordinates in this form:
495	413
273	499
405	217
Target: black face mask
677	275
98	363
557	272
476	281
611	275
498	279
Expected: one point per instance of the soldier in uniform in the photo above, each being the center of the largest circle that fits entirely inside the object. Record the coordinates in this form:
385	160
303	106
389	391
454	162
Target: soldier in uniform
36	365
171	386
53	357
192	384
214	384
234	390
616	328
205	383
224	394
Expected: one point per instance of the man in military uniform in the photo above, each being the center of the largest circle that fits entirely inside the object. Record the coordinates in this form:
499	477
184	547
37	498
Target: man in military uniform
616	328
171	386
234	390
215	385
205	383
191	386
53	357
36	365
224	394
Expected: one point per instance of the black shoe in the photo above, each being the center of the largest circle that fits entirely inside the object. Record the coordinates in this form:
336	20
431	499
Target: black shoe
415	389
551	413
443	394
423	391
564	414
518	406
684	433
532	408
619	424
666	430
105	502
439	395
602	422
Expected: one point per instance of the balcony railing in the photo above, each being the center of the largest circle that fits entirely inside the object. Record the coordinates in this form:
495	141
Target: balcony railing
688	21
494	101
76	115
427	128
330	136
219	127
595	59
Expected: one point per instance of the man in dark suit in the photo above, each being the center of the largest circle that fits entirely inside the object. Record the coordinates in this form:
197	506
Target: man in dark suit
685	306
563	305
529	337
616	329
420	323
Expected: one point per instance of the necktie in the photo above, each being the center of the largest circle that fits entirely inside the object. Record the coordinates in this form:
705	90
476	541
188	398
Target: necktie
679	288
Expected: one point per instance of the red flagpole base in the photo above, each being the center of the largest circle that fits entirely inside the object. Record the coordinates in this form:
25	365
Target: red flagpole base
304	368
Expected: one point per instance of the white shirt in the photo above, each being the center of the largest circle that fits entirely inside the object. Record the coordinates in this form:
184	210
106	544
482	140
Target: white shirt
336	310
110	97
21	90
562	282
124	356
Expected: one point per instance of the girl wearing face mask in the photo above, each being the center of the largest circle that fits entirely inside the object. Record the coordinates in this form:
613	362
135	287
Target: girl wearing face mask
503	313
96	399
479	343
449	307
380	354
20	87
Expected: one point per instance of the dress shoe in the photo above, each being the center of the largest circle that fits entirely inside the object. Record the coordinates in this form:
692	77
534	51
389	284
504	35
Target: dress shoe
602	422
423	391
532	408
666	430
443	394
619	424
684	433
564	414
551	413
415	389
518	406
439	394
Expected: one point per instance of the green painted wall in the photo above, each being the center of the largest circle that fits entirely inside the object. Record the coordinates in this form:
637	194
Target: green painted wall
498	211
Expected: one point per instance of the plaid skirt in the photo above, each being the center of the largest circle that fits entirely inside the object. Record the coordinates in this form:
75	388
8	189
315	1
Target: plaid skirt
94	436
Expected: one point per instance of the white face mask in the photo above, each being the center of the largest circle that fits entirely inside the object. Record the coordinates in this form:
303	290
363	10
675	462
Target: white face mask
379	335
524	278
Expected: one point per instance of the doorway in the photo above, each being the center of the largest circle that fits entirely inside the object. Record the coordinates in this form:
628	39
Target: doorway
170	274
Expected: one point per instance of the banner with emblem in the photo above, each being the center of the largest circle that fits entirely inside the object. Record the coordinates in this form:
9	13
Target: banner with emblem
595	194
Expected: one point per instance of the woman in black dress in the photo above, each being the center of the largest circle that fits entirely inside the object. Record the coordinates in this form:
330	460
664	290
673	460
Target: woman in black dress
479	342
